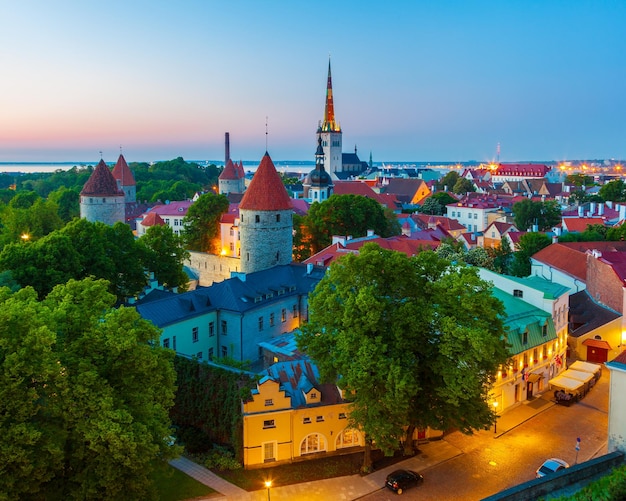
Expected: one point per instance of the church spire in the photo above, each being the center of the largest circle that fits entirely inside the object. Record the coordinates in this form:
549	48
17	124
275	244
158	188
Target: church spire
329	124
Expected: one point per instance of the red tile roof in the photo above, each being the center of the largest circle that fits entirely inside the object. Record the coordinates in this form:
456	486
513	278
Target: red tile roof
266	191
529	170
579	224
358	188
122	173
152	219
617	261
101	182
565	259
230	171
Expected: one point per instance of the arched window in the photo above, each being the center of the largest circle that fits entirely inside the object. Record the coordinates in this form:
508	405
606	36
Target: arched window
348	438
313	443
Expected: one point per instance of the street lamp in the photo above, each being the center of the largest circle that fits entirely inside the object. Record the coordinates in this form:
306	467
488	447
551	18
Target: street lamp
495	422
268	484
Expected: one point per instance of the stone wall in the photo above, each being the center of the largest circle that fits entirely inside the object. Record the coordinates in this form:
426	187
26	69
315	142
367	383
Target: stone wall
212	268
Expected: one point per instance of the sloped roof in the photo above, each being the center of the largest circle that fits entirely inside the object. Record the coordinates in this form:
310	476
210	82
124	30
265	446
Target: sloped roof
152	219
234	294
357	188
585	315
122	173
617	261
101	182
520	317
619	362
403	188
176	208
266	191
579	224
230	172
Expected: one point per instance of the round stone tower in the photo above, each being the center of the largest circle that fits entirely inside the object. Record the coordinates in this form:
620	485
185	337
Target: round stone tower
265	221
101	199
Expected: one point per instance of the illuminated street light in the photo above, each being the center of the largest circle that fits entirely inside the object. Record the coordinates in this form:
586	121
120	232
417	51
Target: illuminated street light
495	422
25	237
268	484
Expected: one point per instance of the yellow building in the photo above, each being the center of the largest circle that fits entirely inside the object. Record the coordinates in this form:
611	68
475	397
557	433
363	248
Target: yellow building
291	417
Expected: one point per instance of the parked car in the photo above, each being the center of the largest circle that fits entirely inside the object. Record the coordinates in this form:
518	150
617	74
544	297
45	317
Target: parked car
550	466
400	480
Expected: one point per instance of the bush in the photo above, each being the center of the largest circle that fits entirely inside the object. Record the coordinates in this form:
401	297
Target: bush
220	459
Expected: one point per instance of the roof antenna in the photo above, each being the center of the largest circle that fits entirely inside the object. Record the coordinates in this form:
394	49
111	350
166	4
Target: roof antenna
266	134
100	154
120	149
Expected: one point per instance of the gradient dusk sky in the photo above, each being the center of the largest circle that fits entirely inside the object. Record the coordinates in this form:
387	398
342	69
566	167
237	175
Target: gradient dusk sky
413	80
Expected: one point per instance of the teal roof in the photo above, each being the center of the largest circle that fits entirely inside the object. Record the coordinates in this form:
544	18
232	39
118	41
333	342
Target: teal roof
550	290
521	317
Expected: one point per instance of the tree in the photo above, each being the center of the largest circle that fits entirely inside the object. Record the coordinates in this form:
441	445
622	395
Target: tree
579	180
502	256
529	244
462	186
444	198
67	201
85	391
543	214
613	191
448	181
164	255
432	206
413	342
348	215
202	222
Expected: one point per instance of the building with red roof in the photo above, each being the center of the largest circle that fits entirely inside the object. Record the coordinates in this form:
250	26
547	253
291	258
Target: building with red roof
125	180
101	199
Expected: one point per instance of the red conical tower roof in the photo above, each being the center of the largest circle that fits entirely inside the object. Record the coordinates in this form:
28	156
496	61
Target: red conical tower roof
101	182
122	173
230	171
266	190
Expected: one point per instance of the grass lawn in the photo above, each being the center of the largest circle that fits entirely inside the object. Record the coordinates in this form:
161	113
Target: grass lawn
176	486
305	471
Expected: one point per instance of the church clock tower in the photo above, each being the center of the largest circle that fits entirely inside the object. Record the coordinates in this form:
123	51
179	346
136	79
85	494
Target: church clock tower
330	131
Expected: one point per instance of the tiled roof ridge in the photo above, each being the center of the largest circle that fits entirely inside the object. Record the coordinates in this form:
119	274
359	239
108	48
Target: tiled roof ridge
101	182
122	172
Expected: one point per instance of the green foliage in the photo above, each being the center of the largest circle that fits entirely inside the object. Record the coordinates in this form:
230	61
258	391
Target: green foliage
447	182
79	250
68	203
84	396
202	222
221	458
432	206
501	256
611	487
444	198
208	401
529	244
614	191
579	180
412	340
346	215
163	254
544	214
462	186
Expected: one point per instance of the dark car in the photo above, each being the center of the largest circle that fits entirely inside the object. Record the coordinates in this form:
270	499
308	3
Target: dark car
400	480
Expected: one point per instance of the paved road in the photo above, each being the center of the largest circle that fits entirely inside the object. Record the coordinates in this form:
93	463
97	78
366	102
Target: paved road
490	463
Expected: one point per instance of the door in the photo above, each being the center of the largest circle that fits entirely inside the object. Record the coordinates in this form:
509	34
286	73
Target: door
529	390
596	355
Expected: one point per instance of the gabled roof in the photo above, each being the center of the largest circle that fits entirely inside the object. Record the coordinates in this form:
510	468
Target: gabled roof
357	188
617	261
502	227
579	224
266	191
152	219
297	378
122	173
619	362
521	317
101	183
447	223
176	208
585	315
523	170
404	188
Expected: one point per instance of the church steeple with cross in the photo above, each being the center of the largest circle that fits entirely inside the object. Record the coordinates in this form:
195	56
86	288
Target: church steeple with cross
330	130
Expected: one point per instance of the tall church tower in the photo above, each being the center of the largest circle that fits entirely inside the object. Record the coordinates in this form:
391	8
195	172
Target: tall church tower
330	131
265	221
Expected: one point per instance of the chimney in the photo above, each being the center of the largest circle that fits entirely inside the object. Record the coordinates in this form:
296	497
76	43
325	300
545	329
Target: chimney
370	233
309	268
592	208
555	239
226	147
581	211
601	209
622	212
609	204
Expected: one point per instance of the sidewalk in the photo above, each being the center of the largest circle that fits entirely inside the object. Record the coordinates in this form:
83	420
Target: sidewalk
355	486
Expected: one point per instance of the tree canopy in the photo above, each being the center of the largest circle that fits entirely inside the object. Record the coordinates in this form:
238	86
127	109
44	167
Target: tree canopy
85	391
164	254
528	244
613	191
413	341
346	215
544	214
202	222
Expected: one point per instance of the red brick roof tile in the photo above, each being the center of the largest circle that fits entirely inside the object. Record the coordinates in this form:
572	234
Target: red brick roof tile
266	191
122	173
101	182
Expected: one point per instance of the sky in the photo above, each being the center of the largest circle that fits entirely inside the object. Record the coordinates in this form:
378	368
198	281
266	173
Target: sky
413	81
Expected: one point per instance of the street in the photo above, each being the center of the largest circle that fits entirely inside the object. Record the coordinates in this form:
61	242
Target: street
491	462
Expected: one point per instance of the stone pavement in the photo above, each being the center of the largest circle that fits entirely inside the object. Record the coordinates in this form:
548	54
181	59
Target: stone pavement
355	486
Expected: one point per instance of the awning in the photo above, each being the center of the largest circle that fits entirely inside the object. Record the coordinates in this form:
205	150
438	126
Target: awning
597	343
533	377
579	365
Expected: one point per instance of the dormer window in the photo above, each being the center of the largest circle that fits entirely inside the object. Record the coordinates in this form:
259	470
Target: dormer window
313	395
518	293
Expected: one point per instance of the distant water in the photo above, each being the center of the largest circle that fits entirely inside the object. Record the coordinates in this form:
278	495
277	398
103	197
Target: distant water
30	167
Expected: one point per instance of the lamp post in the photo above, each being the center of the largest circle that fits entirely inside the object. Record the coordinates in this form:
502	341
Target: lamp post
495	422
268	484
